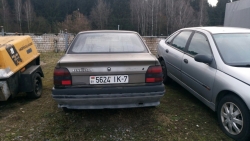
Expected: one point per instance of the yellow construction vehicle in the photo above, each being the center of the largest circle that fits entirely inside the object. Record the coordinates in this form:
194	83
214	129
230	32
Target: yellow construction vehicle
20	69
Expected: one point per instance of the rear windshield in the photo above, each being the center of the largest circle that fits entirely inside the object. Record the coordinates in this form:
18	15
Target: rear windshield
107	43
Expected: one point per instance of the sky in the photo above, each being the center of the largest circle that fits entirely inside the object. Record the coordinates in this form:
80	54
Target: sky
213	2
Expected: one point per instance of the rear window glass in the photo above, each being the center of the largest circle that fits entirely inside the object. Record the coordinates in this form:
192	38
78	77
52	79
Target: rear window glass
107	43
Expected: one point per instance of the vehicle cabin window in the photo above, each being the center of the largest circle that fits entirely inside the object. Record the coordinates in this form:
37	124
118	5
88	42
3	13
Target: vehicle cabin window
199	45
171	38
107	43
180	40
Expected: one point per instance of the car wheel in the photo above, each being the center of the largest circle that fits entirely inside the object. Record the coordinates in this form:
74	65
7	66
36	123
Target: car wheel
166	79
37	87
234	117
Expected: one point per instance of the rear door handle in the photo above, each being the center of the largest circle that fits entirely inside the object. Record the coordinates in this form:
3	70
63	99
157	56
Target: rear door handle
167	50
186	61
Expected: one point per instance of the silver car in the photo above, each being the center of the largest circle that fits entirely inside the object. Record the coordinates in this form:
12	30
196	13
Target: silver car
213	63
107	69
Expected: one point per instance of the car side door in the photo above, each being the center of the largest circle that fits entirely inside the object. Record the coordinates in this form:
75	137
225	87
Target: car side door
174	51
199	76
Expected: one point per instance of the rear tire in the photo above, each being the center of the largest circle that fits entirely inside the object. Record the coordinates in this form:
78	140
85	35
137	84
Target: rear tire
37	87
166	79
234	118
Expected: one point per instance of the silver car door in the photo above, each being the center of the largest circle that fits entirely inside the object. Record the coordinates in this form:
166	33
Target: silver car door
196	75
174	54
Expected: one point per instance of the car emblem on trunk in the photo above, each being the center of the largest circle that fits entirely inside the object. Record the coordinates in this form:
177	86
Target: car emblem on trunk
82	70
109	69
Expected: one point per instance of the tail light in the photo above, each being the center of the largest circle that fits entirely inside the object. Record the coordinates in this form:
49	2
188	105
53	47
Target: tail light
62	77
154	74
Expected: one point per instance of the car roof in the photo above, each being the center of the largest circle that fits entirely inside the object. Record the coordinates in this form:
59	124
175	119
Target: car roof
108	31
217	29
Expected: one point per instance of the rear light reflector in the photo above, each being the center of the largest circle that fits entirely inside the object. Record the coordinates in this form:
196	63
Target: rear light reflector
154	74
154	69
150	80
62	77
66	82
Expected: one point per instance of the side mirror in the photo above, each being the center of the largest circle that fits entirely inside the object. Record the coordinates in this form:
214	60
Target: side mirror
203	58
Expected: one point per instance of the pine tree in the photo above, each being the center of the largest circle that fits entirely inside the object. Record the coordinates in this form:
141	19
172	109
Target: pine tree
219	12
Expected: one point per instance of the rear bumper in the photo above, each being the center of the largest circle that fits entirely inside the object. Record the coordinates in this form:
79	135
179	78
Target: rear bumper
110	97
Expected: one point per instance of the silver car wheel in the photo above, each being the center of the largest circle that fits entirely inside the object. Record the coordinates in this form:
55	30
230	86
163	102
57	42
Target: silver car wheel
231	118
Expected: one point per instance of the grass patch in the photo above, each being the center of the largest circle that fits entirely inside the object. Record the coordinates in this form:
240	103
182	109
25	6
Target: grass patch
180	116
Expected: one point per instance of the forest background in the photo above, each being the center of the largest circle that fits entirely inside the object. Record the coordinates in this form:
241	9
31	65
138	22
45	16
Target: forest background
148	17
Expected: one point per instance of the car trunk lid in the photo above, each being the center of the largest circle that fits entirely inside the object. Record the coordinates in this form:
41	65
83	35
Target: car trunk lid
84	66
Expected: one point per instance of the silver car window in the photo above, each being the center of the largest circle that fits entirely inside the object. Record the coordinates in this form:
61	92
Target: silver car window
180	40
107	43
169	39
199	45
234	48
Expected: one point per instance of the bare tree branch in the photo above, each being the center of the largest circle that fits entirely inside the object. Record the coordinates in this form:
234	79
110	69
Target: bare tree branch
29	13
100	14
75	23
18	10
5	13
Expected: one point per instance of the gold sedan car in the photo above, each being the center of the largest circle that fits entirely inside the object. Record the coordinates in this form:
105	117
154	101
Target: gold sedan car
107	69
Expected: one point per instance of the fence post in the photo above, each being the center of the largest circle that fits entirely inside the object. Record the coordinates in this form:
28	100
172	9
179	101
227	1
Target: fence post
2	31
55	45
66	39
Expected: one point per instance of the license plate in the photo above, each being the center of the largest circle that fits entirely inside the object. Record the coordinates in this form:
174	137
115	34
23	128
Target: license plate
114	79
